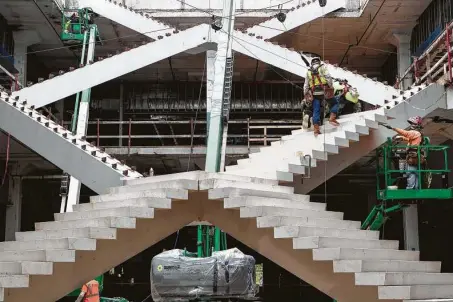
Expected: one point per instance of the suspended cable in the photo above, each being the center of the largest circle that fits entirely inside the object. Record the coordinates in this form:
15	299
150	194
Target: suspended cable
234	15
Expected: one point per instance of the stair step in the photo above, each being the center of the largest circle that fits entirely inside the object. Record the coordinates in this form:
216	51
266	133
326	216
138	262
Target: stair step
10	268
105	222
364	254
14	281
36	268
271	211
406	278
303	231
256	201
160	193
316	242
223	183
277	221
149	202
88	232
225	176
357	266
38	256
416	292
82	244
221	193
135	212
26	268
184	184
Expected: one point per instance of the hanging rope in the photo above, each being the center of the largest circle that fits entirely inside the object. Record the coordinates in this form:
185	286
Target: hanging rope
324	132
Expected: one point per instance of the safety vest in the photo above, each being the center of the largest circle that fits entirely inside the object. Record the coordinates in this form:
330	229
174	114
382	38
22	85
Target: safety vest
91	290
317	79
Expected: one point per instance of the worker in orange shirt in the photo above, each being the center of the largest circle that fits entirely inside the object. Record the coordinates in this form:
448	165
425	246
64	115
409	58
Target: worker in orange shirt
413	137
89	292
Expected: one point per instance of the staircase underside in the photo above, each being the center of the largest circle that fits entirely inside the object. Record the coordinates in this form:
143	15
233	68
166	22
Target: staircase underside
246	208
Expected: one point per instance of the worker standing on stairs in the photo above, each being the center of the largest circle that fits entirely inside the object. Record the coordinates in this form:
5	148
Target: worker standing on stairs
413	137
89	292
317	83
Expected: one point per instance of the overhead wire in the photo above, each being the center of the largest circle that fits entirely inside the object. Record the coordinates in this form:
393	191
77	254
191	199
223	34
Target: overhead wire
233	15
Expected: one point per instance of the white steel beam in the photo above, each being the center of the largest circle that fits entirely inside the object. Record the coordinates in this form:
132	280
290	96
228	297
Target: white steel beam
126	16
302	13
100	72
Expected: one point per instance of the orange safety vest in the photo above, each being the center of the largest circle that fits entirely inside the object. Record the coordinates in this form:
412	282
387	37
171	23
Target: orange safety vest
91	290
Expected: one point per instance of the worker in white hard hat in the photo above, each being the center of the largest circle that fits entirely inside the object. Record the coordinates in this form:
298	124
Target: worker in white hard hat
316	82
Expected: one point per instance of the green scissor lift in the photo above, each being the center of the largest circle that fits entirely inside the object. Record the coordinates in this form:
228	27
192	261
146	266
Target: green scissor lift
395	199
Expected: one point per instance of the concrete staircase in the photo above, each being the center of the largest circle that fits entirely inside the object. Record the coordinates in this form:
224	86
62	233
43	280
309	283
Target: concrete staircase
357	135
91	165
316	245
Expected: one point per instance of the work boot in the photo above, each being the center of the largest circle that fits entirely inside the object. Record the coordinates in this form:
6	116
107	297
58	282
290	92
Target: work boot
317	131
333	119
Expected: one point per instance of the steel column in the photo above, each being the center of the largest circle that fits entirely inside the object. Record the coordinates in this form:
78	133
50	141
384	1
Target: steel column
224	51
82	121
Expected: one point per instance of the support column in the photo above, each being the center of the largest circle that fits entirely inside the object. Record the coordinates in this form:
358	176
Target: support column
23	39
14	206
224	51
210	62
403	44
410	226
410	214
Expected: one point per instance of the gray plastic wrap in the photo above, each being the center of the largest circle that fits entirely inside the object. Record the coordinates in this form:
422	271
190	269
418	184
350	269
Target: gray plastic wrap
226	274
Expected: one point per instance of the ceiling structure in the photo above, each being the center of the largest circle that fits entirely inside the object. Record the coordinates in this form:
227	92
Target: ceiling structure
361	44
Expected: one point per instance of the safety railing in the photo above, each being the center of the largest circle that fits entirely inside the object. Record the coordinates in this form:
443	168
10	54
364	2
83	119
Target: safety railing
266	137
435	63
241	132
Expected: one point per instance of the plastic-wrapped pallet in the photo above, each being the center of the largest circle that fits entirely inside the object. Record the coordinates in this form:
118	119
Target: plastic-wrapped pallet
226	274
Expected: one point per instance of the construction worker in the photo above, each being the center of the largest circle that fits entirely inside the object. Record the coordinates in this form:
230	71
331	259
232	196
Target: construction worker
89	292
316	84
413	137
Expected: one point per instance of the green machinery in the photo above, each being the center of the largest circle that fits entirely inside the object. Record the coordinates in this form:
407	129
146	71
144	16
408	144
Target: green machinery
75	23
210	239
393	198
